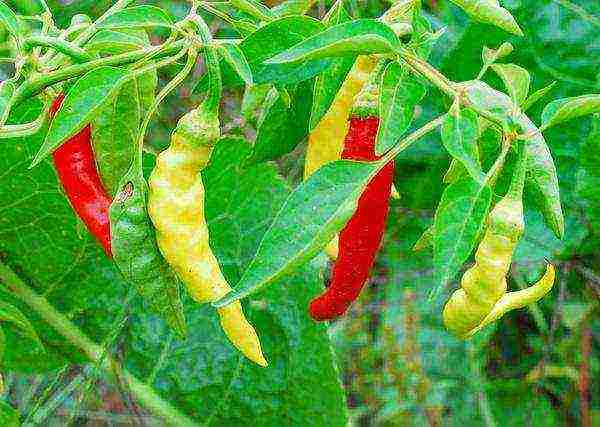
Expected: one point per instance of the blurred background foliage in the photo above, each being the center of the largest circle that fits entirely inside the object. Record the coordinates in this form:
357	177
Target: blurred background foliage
399	367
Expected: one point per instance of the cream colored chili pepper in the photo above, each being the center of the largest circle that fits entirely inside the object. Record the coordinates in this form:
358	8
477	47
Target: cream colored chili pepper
483	296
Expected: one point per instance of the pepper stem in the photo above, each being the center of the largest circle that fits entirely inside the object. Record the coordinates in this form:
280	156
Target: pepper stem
211	61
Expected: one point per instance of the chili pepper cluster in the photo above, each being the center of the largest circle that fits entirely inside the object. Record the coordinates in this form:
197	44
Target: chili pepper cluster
160	235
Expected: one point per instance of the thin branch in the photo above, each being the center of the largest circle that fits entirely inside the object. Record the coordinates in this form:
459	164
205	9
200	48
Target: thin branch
143	392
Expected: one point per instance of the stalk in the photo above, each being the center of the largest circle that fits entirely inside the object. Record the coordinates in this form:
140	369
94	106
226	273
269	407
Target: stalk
143	392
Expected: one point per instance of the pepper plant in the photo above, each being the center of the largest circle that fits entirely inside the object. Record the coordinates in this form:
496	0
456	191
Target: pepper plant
217	226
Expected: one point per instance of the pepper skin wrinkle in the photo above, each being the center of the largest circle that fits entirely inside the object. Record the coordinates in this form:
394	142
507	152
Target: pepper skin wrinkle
75	165
483	295
361	237
176	206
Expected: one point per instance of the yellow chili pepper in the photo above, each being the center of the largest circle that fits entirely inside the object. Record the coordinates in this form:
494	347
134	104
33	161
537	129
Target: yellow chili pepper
483	296
176	206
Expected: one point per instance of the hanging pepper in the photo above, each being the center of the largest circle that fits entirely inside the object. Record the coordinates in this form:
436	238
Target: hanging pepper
483	296
75	165
176	207
326	141
361	237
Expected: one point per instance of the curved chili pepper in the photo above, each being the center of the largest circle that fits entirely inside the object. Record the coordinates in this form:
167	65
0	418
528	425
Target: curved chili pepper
483	296
76	168
361	237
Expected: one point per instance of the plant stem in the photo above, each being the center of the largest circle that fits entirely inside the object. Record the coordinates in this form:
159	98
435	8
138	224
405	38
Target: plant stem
144	393
413	137
423	68
71	50
36	84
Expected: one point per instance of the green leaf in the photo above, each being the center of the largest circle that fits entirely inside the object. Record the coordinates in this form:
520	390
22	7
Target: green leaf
206	367
282	127
9	313
7	89
536	96
276	37
234	56
454	172
516	79
460	131
8	17
135	250
425	240
9	416
254	9
115	128
327	86
308	220
293	7
137	16
400	93
541	172
329	82
90	93
540	165
39	242
111	42
116	125
490	12
588	176
565	109
459	220
362	36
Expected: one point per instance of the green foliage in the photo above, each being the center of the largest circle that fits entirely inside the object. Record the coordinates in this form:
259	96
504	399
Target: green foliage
86	96
398	365
400	93
316	210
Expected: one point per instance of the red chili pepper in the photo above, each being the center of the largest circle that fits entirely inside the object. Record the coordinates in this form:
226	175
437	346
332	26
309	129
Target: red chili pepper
76	168
361	237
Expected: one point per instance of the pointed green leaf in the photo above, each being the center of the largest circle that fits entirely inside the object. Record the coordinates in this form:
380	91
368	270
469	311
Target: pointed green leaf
459	219
455	171
460	131
588	175
115	129
425	240
362	36
136	253
275	37
565	109
283	126
234	56
115	126
400	93
90	93
327	85
516	79
490	12
308	220
254	9
11	314
541	168
329	82
137	16
537	95
8	17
